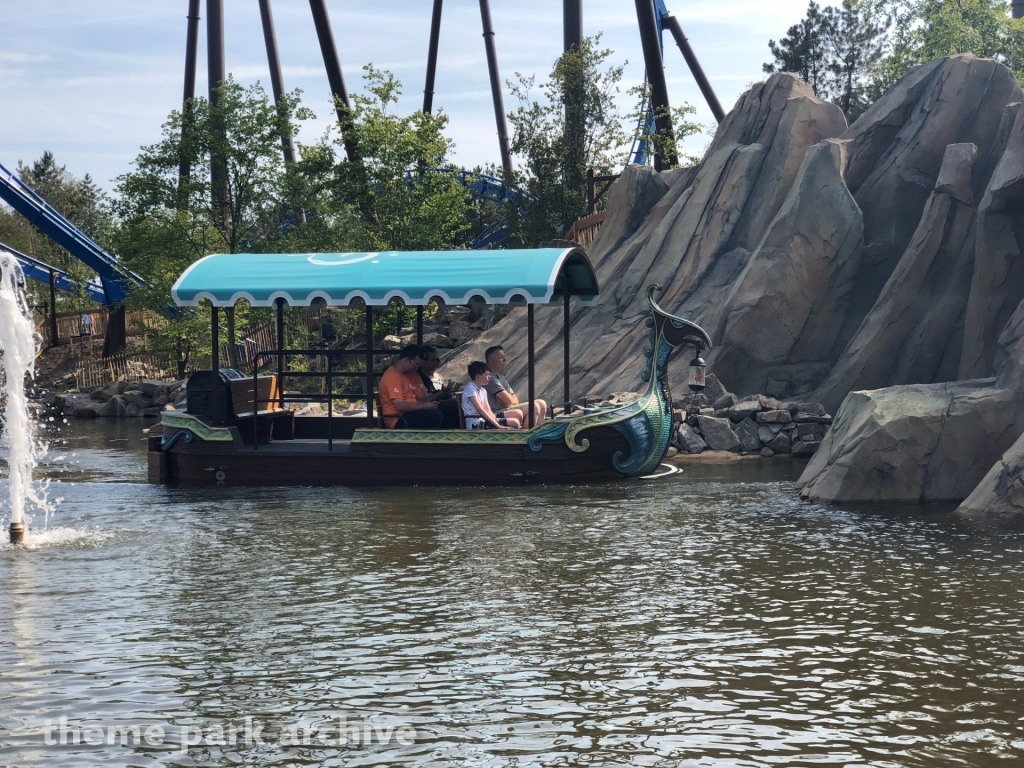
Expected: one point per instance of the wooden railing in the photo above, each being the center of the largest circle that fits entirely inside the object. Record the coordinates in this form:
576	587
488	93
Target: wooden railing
585	230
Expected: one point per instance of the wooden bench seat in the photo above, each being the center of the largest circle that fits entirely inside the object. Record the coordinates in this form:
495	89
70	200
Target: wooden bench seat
273	420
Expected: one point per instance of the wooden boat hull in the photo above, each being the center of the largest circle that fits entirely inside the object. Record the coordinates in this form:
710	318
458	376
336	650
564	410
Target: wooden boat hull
201	463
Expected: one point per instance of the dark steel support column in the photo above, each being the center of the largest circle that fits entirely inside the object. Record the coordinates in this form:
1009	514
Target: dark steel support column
499	102
215	365
334	74
655	75
54	334
276	76
419	325
565	348
572	24
280	348
216	72
696	70
191	53
530	357
369	366
116	336
435	35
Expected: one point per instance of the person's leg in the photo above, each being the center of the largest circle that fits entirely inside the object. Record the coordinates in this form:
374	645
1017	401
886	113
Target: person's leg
540	410
513	419
428	418
450	414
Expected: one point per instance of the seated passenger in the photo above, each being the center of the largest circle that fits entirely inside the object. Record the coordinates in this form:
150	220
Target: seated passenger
403	398
501	398
474	402
436	388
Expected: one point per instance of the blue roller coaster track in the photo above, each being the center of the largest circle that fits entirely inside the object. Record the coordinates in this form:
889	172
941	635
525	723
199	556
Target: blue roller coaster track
115	280
40	272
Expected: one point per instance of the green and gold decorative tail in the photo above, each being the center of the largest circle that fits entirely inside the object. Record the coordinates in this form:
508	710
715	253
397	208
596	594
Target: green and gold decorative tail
646	423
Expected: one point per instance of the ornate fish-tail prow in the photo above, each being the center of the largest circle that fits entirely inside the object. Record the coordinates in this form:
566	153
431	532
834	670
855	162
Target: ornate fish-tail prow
646	423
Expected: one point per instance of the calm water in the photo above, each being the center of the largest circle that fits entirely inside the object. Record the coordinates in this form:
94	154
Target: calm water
705	620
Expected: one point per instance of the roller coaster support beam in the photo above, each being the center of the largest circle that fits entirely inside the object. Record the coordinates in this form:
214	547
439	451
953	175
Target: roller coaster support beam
217	75
435	35
499	102
651	44
276	76
672	23
191	51
572	24
335	76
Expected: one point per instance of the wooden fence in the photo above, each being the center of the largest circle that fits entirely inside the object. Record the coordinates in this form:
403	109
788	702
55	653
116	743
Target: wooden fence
263	338
124	367
92	323
585	230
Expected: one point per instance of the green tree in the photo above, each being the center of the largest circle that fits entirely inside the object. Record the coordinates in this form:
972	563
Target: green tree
835	50
856	37
575	126
167	222
803	51
981	27
400	193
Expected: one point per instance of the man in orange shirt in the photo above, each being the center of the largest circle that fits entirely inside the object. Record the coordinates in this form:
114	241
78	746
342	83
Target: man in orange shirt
403	397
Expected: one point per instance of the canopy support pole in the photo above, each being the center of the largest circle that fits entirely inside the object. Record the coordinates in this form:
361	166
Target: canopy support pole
369	366
215	365
565	352
419	326
529	355
280	349
435	34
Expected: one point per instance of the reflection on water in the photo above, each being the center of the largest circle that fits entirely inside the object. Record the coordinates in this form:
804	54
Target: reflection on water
712	619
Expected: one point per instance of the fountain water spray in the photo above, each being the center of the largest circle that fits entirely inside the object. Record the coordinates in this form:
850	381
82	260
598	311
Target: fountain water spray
17	350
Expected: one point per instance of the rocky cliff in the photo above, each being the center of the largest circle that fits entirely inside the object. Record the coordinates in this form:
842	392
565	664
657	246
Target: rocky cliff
822	259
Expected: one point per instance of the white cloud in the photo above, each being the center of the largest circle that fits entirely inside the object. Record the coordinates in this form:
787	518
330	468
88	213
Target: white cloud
18	57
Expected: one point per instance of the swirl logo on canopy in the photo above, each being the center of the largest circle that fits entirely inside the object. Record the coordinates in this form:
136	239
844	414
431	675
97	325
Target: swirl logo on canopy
320	260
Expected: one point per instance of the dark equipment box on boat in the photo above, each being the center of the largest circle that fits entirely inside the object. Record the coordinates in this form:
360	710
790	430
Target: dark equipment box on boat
199	390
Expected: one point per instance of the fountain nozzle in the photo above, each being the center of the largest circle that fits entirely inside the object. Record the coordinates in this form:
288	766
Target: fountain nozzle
17	533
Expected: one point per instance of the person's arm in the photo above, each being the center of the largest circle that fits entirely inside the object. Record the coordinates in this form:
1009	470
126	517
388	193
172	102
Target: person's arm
403	406
480	401
506	399
502	395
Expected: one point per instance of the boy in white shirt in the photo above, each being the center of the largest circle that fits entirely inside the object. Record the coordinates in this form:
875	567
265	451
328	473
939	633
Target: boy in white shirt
474	402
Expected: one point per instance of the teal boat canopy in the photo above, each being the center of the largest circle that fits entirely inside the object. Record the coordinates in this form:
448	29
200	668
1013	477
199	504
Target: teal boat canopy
534	276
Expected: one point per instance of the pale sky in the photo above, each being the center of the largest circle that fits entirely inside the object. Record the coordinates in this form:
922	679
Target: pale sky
93	80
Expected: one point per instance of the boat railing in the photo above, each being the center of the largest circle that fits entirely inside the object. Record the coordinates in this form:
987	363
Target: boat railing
328	377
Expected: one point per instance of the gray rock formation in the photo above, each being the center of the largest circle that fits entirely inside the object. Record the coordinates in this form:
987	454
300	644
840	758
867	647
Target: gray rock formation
799	244
690	440
999	497
718	434
919	442
914	332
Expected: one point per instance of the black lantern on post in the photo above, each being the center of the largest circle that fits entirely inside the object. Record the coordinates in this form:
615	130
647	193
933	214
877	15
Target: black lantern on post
697	368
